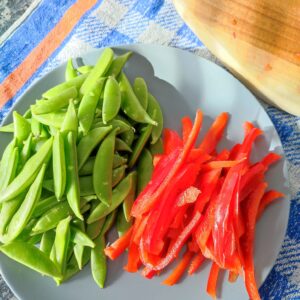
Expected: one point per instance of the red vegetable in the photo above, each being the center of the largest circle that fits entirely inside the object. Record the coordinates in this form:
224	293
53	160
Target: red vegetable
212	280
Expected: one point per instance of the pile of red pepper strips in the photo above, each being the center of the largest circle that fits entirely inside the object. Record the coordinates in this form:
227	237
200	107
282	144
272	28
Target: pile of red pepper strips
204	200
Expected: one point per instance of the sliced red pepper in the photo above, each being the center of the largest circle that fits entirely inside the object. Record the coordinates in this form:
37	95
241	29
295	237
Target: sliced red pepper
212	280
133	259
235	151
187	125
196	263
214	134
193	246
171	141
233	276
179	270
267	199
119	246
270	159
156	159
221	164
148	273
147	201
188	196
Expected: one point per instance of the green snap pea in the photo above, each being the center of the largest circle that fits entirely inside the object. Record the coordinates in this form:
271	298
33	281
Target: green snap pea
9	128
98	262
47	242
52	217
56	90
30	256
85	69
28	173
131	105
11	168
43	206
87	168
118	64
72	183
85	208
144	170
61	243
55	103
115	123
70	122
34	239
103	167
54	119
129	199
109	222
141	91
119	193
157	148
81	238
48	185
94	229
89	142
27	114
78	249
118	174
25	235
22	127
122	224
111	100
128	137
122	146
88	105
24	212
25	152
155	112
99	70
37	143
70	72
59	165
140	144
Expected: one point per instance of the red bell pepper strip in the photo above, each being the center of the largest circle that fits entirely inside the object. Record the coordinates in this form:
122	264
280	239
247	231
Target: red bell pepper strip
235	151
156	159
146	202
270	158
148	273
212	280
233	276
179	269
267	199
188	196
221	164
173	251
133	259
196	263
247	241
193	246
214	134
171	141
187	125
119	246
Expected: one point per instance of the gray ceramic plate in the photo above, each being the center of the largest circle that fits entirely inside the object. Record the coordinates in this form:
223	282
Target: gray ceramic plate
182	82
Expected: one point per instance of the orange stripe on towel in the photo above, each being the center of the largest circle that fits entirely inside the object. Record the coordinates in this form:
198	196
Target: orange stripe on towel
14	82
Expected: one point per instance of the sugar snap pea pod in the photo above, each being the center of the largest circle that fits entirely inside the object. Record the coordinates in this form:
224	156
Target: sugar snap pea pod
94	229
11	168
61	243
115	123
54	119
34	239
85	69
119	193
128	201
55	103
52	217
78	249
155	112
144	170
24	212
36	127
70	122
140	144
25	152
128	137
28	173
47	242
122	224
43	206
109	222
157	148
141	91
85	208
111	100
98	262
103	167
86	186
37	143
9	128
59	166
48	185
6	157
56	90
30	256
87	168
27	114
88	104
22	127
99	70
118	174
89	142
122	146
25	235
72	183
8	210
81	238
70	72
118	64
131	105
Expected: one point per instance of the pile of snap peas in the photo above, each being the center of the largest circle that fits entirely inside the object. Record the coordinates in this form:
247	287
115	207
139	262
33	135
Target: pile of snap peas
77	160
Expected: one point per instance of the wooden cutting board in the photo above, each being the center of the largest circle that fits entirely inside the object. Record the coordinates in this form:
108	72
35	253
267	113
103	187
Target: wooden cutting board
258	40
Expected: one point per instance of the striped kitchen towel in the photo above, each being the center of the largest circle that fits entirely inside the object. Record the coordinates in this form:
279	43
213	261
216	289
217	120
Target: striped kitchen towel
58	29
